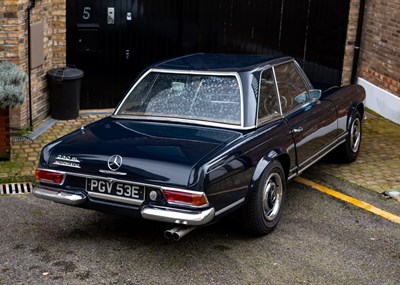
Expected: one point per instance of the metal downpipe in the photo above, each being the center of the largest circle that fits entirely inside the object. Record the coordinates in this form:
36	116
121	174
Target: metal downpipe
28	9
357	43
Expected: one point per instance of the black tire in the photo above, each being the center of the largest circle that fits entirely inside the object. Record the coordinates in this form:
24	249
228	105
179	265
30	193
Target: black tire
351	147
263	209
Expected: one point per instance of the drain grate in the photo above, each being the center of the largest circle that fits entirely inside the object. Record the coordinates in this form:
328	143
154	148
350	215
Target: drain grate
15	188
19	139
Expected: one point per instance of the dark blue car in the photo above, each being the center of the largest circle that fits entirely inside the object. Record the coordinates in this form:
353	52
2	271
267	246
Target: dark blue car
200	136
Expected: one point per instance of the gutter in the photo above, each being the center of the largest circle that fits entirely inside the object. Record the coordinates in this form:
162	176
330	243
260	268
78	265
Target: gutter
357	43
28	9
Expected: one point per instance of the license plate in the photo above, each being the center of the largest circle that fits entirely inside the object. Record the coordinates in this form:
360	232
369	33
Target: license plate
115	191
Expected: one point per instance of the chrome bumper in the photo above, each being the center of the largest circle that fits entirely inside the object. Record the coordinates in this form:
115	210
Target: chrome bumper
59	196
150	212
178	216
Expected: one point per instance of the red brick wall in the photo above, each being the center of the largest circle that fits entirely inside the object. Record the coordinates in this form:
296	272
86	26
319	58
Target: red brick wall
380	47
14	48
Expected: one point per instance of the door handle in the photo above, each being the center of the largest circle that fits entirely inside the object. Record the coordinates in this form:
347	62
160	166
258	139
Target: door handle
127	53
297	130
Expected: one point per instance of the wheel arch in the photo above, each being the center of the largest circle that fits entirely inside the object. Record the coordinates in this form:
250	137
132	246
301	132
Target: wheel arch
355	107
279	155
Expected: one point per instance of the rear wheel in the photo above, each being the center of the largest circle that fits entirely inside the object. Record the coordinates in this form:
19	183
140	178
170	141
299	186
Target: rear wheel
351	147
263	209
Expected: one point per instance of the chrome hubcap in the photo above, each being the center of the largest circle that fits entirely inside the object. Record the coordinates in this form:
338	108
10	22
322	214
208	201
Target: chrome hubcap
272	196
355	135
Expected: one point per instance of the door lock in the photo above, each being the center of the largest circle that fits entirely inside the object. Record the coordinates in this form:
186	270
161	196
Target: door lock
110	15
127	54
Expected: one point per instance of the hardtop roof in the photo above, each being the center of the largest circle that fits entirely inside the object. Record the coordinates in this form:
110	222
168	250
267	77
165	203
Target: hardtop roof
219	62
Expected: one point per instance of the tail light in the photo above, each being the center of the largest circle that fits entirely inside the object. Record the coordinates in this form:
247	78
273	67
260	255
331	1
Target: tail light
49	176
184	197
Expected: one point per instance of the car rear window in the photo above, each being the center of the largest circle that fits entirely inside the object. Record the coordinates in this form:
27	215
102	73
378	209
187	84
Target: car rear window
201	97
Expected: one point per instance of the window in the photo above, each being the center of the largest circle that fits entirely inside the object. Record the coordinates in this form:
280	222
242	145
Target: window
292	90
210	98
268	100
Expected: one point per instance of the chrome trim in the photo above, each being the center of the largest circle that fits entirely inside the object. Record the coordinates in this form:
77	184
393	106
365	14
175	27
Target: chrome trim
177	216
114	198
186	121
66	164
57	195
303	75
105	171
219	212
112	179
116	160
68	161
321	154
277	90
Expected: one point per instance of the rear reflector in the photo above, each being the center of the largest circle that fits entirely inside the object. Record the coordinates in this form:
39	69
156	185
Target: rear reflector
185	198
48	176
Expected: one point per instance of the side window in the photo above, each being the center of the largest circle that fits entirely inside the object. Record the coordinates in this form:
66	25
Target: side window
292	90
268	100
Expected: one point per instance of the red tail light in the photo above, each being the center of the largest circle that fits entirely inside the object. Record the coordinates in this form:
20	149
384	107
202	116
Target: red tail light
49	176
185	197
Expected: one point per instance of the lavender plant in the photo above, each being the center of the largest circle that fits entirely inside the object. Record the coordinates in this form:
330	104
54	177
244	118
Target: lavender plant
12	81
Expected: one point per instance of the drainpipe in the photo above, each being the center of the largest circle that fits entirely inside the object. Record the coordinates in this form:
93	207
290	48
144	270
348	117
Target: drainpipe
357	43
28	9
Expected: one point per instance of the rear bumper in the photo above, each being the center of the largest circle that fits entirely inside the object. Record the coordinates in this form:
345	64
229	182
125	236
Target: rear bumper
149	212
59	196
178	216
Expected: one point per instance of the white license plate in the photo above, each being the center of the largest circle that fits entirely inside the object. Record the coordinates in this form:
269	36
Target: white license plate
115	191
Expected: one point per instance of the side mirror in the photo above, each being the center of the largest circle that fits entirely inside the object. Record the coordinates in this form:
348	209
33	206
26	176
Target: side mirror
314	94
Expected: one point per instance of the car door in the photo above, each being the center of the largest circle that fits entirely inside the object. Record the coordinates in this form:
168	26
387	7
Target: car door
312	120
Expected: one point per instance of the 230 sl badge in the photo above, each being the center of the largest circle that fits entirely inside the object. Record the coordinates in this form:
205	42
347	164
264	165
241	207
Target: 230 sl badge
66	160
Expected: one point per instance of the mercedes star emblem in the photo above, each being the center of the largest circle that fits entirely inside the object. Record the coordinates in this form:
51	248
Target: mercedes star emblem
114	162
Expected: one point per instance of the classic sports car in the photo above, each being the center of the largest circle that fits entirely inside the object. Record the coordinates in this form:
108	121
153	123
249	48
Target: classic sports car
200	136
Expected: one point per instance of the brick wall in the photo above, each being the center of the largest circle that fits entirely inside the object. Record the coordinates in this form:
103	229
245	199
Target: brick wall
350	42
380	47
14	48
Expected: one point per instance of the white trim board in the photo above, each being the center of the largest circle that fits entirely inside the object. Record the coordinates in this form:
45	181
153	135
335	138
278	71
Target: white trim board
381	101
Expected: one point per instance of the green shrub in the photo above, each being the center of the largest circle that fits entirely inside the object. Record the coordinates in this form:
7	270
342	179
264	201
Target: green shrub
12	81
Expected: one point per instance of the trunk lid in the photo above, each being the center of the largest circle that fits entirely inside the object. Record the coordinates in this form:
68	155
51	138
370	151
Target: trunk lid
151	152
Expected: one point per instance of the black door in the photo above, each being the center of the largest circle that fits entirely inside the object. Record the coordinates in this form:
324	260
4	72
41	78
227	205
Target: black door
113	40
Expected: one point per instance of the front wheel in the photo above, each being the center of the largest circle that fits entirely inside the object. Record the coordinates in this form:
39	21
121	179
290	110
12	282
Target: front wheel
263	209
351	147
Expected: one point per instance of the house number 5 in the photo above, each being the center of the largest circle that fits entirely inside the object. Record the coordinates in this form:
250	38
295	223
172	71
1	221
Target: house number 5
86	13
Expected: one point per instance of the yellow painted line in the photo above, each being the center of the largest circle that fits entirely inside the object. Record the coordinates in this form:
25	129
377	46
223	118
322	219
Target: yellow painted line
348	199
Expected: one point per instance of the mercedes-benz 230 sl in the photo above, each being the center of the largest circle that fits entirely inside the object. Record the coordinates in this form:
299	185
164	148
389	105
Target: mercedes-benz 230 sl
201	136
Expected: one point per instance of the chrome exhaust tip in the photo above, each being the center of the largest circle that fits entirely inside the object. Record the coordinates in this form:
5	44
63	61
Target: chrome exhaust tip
168	234
177	233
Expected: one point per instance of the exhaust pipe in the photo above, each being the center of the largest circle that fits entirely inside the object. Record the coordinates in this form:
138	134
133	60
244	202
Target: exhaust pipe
181	233
177	233
168	233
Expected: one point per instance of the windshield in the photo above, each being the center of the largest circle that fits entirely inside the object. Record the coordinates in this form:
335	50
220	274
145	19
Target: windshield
211	98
